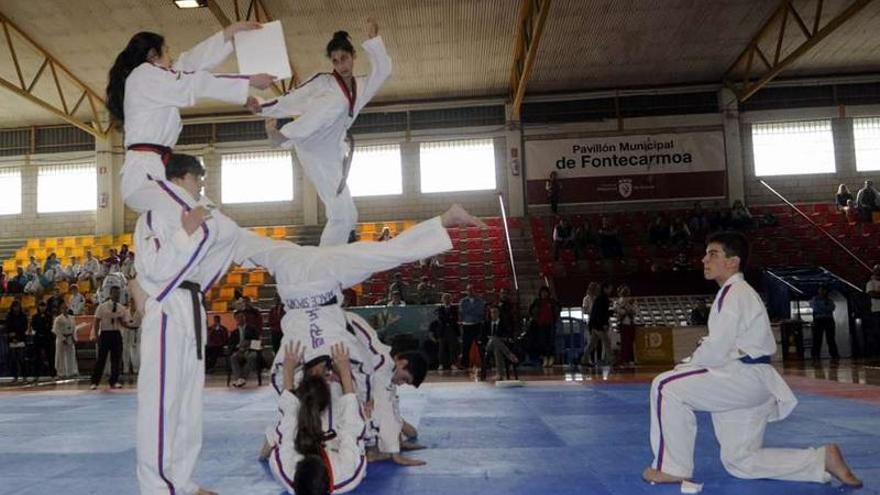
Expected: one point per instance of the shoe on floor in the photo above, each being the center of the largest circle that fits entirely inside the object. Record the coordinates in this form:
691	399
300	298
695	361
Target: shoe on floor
93	387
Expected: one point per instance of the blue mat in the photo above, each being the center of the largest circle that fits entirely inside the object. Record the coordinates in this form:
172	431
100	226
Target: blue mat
560	439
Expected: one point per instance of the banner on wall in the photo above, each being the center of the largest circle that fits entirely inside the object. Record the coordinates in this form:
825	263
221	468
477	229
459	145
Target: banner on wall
647	167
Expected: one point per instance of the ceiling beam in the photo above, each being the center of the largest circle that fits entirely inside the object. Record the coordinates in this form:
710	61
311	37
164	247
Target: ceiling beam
256	11
740	73
529	27
60	72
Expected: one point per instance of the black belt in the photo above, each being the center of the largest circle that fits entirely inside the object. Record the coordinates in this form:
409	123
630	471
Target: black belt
195	291
164	152
758	360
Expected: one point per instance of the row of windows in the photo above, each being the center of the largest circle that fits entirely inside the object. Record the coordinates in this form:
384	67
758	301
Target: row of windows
255	177
807	147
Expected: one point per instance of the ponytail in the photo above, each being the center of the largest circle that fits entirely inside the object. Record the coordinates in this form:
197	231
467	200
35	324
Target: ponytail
135	54
340	41
314	396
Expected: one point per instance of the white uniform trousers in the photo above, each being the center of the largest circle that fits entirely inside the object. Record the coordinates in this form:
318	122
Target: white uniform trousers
741	402
130	353
170	385
324	169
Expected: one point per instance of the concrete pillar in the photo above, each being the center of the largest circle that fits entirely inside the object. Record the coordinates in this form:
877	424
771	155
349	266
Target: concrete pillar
512	164
733	145
109	157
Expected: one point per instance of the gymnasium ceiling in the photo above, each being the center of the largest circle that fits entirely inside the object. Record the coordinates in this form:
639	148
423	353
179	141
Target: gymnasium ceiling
447	49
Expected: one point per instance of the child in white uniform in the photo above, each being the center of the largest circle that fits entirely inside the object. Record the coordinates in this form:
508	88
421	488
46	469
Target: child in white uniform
302	459
730	376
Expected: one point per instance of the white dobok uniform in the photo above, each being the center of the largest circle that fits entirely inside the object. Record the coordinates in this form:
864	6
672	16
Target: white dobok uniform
325	111
171	376
729	375
153	98
310	280
344	452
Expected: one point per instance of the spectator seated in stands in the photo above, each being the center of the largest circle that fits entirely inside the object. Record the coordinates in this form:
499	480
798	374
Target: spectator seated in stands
852	211
217	336
353	236
252	315
658	231
397	285
609	241
76	302
866	200
679	234
426	292
38	283
32	267
91	270
563	238
395	300
245	345
496	340
17	283
3	281
72	270
111	262
127	266
385	235
843	197
52	268
740	217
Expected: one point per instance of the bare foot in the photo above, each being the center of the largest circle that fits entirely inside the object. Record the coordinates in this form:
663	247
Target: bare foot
456	216
836	466
406	461
202	491
652	475
265	451
376	456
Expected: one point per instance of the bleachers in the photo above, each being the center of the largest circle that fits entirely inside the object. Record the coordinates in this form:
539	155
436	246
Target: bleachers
792	241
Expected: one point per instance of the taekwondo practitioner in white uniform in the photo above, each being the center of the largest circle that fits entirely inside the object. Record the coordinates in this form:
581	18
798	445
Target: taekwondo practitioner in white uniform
730	376
326	106
340	463
146	91
310	280
169	291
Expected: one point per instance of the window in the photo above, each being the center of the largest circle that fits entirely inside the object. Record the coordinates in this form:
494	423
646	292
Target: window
793	148
257	177
375	171
467	165
67	187
866	133
10	191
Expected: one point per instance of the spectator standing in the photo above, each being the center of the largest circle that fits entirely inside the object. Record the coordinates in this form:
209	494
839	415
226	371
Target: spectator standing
276	314
823	324
625	309
109	318
16	325
447	332
544	312
553	188
599	325
472	312
64	328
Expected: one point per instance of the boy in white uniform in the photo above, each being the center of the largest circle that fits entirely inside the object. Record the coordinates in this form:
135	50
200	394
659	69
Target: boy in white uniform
173	329
326	106
730	376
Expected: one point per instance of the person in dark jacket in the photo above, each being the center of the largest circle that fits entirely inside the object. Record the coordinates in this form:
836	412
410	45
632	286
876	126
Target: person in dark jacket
16	326
599	324
544	312
447	332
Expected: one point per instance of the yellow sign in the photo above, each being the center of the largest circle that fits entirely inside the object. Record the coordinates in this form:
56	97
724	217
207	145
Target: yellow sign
654	345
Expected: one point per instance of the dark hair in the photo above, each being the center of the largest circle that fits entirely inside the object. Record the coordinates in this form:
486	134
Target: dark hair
310	476
340	41
417	365
314	396
542	290
180	164
734	244
135	54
